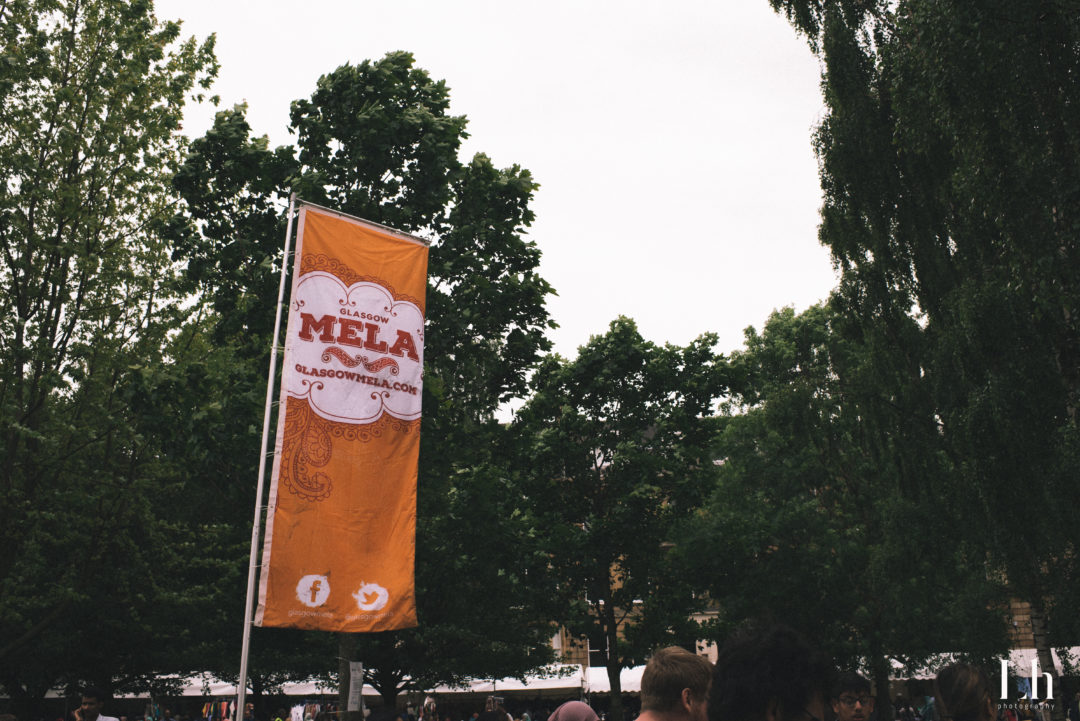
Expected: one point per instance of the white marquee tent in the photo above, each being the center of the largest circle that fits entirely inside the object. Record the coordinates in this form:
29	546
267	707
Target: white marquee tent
559	679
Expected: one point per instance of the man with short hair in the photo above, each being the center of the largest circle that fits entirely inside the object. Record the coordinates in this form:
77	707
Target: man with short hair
769	674
93	700
851	699
675	686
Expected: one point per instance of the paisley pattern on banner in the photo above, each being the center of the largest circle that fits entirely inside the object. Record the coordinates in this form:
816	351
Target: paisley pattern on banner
308	444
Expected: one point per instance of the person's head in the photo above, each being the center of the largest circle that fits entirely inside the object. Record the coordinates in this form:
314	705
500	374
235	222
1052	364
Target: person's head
676	680
93	700
574	711
769	674
964	693
851	699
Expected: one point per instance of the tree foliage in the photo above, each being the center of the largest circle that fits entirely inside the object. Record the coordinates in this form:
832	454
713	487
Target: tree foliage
952	196
377	140
814	520
91	95
616	451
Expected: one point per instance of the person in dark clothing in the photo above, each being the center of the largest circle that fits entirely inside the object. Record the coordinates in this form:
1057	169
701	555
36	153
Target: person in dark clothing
769	674
493	711
1072	713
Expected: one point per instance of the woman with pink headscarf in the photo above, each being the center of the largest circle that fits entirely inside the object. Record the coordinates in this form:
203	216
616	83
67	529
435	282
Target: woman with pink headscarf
574	711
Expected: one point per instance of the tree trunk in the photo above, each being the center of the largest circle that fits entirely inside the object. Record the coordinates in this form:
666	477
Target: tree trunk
614	674
614	662
389	695
346	650
258	691
388	684
1046	662
883	706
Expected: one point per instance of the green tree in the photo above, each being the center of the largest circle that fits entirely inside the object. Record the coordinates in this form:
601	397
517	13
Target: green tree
203	410
814	520
616	443
376	140
228	237
91	94
952	188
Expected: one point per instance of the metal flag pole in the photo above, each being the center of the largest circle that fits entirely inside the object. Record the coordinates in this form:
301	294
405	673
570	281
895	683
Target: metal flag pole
241	685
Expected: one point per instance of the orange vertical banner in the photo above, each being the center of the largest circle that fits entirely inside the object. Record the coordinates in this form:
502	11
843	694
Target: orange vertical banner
339	548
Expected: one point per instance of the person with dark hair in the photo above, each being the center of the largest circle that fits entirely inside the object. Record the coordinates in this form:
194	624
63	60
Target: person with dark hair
93	700
769	674
675	686
851	699
963	692
494	710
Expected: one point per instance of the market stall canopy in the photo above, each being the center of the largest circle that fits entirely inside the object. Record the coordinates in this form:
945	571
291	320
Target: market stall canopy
557	680
629	679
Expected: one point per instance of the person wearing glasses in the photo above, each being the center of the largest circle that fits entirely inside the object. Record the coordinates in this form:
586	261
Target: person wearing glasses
769	674
851	699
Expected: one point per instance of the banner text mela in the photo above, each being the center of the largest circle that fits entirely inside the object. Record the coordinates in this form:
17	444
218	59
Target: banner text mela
357	334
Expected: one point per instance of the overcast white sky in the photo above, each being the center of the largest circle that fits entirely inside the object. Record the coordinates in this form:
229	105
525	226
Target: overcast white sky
671	141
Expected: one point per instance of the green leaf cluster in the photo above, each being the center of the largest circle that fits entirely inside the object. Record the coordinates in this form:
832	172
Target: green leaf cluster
615	454
376	140
91	95
818	519
949	162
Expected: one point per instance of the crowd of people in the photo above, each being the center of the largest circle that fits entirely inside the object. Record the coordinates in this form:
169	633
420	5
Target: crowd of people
773	674
761	674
